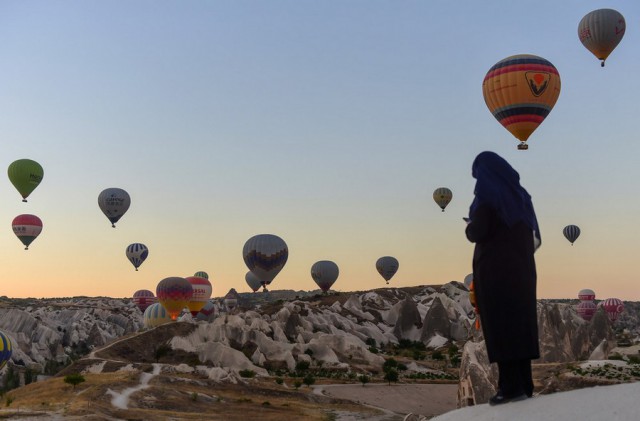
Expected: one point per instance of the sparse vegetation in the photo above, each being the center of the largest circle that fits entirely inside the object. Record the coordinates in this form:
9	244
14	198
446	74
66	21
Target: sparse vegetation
391	375
297	384
9	400
303	365
194	396
364	379
74	379
279	380
309	380
247	373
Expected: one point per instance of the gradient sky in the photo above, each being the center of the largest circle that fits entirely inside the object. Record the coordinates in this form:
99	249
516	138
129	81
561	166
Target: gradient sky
328	123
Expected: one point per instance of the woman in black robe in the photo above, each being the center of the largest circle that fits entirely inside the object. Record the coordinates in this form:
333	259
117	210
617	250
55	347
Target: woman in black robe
503	225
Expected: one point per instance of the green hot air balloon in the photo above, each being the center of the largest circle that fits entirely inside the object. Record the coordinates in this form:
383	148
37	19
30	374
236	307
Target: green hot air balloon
25	175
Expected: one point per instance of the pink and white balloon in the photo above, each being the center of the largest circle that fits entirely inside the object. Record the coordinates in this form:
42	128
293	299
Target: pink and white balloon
586	309
586	295
613	307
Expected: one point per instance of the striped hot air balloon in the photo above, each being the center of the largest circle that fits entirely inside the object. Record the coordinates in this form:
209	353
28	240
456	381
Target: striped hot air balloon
155	315
201	274
202	290
208	312
571	233
174	293
5	349
143	298
137	253
601	31
325	273
442	197
586	295
520	92
265	255
586	309
387	266
27	228
613	307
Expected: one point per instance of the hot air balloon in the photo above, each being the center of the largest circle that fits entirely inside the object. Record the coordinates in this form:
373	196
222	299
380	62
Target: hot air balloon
114	203
143	298
27	227
442	196
155	315
137	253
325	273
613	307
387	266
265	255
208	312
174	293
586	295
467	280
571	232
253	281
201	274
202	290
520	92
231	300
601	31
586	309
25	175
5	349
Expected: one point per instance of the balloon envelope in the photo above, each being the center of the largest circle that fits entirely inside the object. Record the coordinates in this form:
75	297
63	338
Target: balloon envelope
5	349
613	307
174	293
143	298
601	31
387	266
265	255
253	281
586	309
520	92
27	228
155	315
571	233
467	280
208	312
586	295
114	203
324	273
201	274
25	175
137	253
202	290
442	197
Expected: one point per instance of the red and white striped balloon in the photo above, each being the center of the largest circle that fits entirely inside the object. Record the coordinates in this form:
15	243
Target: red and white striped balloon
613	307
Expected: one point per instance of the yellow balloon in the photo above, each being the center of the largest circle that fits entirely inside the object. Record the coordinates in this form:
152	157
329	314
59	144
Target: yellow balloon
520	92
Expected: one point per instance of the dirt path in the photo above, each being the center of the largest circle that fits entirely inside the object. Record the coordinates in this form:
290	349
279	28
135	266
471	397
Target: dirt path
424	399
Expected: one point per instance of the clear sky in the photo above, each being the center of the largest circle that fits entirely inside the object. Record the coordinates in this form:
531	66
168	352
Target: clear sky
328	123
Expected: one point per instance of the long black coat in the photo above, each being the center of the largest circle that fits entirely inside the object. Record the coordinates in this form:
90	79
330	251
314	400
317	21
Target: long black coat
504	279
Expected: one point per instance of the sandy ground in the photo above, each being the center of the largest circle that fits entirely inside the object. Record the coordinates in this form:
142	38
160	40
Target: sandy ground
423	399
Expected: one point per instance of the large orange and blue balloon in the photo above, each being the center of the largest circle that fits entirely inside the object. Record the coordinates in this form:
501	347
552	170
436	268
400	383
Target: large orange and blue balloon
174	293
202	290
387	266
324	273
27	228
137	253
601	31
25	175
155	315
520	92
143	298
114	203
265	255
5	349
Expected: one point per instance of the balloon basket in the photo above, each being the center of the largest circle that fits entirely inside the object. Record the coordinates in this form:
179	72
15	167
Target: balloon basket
523	147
